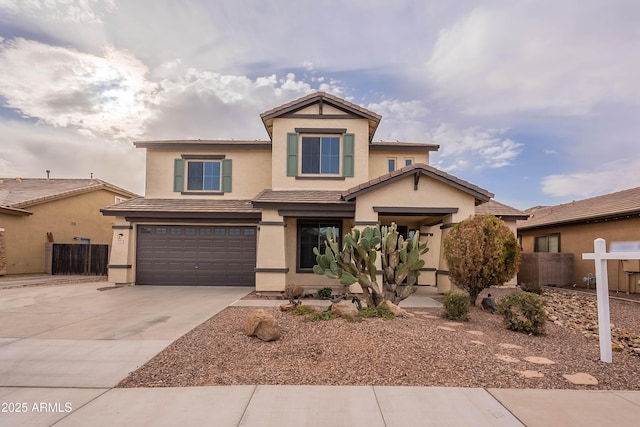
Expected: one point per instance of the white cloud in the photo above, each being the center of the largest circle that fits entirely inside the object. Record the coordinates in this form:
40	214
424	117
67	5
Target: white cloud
473	147
86	11
550	151
108	95
601	179
36	148
521	57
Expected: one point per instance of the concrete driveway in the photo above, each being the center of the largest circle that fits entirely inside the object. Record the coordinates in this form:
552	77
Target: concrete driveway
79	336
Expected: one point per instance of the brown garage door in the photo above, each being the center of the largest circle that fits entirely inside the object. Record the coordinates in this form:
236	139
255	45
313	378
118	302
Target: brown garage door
195	255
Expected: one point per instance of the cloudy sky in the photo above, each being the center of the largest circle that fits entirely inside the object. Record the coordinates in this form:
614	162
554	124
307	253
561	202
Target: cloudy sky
536	101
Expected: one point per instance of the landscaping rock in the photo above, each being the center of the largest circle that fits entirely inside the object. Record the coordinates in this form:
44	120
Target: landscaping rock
287	307
263	325
397	311
345	309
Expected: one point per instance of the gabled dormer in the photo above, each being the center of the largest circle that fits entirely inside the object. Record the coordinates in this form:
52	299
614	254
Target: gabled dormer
320	141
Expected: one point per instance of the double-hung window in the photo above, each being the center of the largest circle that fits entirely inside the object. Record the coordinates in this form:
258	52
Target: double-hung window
321	155
203	175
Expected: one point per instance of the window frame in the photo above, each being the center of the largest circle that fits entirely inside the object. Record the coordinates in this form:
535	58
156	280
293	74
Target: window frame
337	138
320	223
392	164
538	239
204	163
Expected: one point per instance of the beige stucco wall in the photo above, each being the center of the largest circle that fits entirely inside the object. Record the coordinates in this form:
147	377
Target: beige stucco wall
430	193
282	126
251	172
578	239
77	216
379	165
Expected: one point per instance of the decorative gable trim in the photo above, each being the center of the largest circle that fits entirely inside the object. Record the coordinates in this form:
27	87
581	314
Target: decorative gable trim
352	111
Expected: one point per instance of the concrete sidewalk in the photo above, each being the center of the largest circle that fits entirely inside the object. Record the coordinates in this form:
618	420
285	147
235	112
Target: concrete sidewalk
276	406
63	348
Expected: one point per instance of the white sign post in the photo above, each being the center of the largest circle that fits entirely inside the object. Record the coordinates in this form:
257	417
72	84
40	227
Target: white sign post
600	256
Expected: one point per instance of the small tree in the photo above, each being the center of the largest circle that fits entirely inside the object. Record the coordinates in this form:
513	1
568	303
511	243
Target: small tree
356	262
481	251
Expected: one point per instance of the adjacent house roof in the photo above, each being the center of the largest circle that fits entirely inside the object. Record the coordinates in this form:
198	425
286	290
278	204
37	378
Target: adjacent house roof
322	98
183	208
621	204
501	211
417	170
16	194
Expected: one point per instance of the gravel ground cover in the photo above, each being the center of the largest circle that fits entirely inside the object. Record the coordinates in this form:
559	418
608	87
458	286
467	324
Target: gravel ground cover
424	350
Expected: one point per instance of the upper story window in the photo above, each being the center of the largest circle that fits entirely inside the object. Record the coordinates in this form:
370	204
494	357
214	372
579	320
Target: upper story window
321	155
391	164
408	162
202	174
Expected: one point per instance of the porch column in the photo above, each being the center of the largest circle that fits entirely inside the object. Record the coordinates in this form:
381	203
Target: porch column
428	272
442	274
122	258
271	265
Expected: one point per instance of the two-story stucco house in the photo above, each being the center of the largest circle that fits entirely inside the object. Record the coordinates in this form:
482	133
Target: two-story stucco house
250	212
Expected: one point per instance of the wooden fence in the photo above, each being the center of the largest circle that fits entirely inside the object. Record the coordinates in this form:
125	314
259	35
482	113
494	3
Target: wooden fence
79	259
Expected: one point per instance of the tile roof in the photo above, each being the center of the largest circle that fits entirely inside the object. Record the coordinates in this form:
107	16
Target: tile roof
24	192
621	203
299	196
184	205
312	97
300	103
500	210
479	193
390	145
204	143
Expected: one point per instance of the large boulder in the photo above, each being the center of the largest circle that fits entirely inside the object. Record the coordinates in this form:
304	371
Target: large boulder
263	325
344	308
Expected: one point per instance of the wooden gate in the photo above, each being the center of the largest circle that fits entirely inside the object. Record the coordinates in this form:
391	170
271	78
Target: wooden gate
79	259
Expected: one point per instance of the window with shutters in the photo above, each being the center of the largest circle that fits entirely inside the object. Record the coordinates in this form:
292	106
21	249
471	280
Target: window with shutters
204	175
318	155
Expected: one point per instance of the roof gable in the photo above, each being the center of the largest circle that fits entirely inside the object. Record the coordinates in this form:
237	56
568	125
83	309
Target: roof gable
481	195
620	204
326	106
20	193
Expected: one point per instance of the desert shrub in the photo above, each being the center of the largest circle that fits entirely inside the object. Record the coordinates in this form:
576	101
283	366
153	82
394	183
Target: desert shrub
303	310
523	312
456	305
532	287
481	251
372	312
320	315
325	293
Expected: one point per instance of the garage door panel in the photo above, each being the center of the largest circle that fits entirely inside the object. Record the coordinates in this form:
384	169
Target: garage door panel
196	255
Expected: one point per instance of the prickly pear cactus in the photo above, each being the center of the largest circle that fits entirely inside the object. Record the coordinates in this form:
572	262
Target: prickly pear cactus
355	262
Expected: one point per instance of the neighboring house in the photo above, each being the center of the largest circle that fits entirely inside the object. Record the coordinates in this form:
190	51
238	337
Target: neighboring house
251	212
571	228
37	212
509	215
